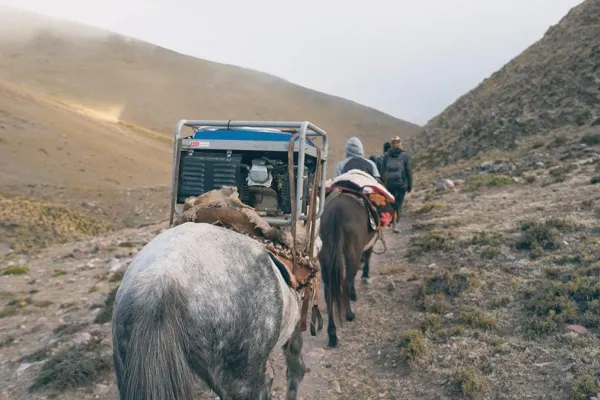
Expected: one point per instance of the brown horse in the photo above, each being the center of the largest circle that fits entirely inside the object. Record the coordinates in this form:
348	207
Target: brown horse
344	232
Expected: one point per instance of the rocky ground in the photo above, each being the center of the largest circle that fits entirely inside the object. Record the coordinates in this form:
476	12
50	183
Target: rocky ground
491	290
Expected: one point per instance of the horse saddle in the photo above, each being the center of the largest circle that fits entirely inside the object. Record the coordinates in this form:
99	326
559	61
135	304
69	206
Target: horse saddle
369	192
349	189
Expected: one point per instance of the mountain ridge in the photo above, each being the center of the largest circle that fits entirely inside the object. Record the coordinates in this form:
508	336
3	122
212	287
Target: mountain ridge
142	78
552	85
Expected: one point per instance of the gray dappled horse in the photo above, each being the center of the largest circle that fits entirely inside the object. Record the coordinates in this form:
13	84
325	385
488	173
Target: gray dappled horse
344	233
200	300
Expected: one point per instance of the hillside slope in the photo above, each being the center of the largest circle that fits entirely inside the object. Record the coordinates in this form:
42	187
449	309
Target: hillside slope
553	85
153	87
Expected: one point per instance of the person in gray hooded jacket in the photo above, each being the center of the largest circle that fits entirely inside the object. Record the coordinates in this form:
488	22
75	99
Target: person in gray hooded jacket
355	159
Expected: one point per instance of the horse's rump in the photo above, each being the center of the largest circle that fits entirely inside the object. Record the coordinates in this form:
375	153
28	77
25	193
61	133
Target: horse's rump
224	208
184	308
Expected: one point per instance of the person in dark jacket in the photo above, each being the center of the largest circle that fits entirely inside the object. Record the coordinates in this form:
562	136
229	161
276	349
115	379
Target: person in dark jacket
379	160
397	175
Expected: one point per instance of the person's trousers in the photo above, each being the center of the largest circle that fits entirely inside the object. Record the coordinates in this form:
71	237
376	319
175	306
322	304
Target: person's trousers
398	192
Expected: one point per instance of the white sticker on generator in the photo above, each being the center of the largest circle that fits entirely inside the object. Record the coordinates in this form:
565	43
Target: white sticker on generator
198	144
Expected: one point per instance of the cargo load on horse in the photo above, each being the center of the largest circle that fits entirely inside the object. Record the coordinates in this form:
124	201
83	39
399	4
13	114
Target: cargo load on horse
233	278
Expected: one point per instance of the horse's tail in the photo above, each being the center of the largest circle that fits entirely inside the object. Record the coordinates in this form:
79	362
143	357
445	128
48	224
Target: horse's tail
333	262
149	339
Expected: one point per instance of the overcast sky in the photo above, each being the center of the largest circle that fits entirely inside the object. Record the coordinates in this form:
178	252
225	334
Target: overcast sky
410	58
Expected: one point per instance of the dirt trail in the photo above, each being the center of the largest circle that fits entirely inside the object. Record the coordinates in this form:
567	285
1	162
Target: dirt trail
362	367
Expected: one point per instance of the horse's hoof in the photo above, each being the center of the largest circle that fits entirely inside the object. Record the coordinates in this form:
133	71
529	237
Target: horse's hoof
366	281
333	342
350	316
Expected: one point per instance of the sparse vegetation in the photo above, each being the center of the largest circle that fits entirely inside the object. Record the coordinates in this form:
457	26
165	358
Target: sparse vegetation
447	283
538	236
432	322
591	139
30	224
428	207
561	171
530	178
468	381
413	345
69	329
574	299
434	240
476	318
7	312
477	182
490	252
539	144
453	331
584	387
15	271
558	141
73	367
500	301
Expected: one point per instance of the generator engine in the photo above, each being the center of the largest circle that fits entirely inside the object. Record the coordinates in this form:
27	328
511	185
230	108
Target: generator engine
255	161
267	187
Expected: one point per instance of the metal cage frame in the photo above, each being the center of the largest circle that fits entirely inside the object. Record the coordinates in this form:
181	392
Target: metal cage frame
304	129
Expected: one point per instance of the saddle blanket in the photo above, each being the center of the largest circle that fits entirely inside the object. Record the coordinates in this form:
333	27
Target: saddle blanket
362	180
368	189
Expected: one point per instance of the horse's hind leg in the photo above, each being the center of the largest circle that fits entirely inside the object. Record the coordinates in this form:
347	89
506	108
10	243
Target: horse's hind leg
248	384
352	265
331	329
265	394
295	364
366	267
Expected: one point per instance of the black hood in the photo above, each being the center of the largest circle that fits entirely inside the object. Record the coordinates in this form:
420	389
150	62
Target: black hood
395	152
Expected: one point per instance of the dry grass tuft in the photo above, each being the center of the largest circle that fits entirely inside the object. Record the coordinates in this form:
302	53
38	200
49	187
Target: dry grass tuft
73	367
476	182
584	387
15	271
540	236
428	207
468	381
434	240
29	224
413	345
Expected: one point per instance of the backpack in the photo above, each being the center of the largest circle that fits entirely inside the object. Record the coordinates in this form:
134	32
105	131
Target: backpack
358	163
396	169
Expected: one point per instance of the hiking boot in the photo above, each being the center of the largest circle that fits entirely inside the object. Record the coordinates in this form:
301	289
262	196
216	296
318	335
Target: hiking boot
395	228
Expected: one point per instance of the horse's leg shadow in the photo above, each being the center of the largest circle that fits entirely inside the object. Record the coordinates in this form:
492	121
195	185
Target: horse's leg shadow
295	364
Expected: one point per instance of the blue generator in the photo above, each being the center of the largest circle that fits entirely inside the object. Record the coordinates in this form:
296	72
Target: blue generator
257	157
